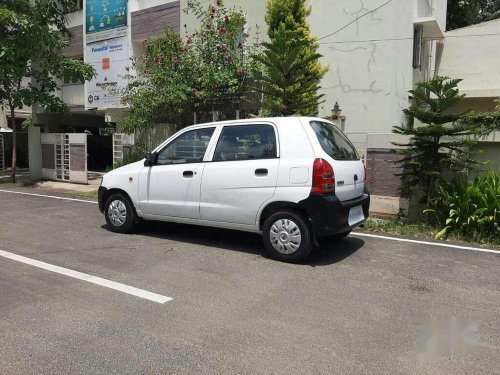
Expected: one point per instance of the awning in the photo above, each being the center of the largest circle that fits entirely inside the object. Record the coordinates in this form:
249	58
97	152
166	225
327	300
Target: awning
431	28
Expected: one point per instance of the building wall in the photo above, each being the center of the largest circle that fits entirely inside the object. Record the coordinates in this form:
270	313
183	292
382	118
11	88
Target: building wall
152	21
472	53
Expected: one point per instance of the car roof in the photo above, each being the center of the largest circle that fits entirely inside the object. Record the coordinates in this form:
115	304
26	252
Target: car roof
254	120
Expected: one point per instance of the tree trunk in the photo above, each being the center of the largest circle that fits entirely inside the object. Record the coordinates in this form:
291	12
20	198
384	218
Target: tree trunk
14	144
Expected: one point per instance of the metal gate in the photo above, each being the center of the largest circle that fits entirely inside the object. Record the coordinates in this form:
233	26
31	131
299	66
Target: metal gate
122	145
64	157
2	153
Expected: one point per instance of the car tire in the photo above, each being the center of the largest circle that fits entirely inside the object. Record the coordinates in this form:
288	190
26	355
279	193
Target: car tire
340	236
287	236
120	214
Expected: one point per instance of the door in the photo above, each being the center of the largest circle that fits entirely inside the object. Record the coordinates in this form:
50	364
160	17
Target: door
242	174
348	168
122	144
64	157
171	187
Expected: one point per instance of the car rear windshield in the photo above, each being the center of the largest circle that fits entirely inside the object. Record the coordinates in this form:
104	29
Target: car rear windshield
333	142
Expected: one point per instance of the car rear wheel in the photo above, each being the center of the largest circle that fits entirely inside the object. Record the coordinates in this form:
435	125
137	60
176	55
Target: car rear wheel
287	236
119	213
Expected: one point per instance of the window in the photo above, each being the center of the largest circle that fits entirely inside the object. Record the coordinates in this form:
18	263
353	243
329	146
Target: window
246	142
417	46
189	147
333	142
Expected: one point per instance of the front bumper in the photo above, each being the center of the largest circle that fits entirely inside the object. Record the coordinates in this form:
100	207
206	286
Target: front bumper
101	192
329	215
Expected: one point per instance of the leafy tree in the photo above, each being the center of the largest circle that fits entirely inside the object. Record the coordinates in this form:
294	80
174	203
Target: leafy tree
203	71
463	13
441	143
33	35
292	88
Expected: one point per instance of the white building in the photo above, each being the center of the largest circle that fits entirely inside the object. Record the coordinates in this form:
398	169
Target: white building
472	53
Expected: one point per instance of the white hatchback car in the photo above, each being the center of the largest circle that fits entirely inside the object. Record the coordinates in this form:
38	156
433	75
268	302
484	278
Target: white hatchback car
293	179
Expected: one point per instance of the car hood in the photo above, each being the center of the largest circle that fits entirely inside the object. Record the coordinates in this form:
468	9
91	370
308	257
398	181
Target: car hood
132	167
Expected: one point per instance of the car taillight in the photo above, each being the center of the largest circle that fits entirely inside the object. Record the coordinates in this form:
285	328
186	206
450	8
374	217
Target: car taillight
323	181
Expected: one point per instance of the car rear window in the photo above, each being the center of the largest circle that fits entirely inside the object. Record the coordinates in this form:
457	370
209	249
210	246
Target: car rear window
333	142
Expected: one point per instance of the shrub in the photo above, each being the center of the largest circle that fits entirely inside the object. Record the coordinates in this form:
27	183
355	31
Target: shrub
136	153
468	208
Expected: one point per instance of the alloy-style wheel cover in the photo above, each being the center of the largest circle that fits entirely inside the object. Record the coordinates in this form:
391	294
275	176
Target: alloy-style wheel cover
117	213
285	236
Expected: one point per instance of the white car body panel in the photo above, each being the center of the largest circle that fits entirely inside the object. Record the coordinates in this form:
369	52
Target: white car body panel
231	192
164	191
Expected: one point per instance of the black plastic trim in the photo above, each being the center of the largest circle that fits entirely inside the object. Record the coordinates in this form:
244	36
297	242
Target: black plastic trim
101	192
329	215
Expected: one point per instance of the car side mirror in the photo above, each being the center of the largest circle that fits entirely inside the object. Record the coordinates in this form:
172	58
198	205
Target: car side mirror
150	159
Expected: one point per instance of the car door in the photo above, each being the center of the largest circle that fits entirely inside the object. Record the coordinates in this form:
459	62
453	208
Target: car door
171	187
242	174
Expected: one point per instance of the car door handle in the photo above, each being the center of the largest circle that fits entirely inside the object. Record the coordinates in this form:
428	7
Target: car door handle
261	172
187	174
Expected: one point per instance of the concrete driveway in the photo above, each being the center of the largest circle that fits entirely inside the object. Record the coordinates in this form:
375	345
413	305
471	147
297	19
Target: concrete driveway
363	305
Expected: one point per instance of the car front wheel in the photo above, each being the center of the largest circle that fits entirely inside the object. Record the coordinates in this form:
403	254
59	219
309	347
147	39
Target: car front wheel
119	213
287	236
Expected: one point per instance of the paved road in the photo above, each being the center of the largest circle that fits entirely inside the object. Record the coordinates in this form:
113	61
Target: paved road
354	308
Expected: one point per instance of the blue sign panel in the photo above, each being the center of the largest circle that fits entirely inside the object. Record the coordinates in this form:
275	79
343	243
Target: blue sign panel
103	15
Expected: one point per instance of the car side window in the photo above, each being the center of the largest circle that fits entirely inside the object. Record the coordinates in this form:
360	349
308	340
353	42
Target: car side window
189	147
246	142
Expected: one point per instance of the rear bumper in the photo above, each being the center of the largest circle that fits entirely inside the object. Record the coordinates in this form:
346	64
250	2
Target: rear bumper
330	216
101	192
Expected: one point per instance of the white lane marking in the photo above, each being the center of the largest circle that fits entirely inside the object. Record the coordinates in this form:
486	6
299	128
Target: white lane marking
48	196
89	278
426	243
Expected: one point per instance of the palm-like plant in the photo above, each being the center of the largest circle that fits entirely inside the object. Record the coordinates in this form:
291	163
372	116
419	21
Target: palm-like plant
440	143
471	209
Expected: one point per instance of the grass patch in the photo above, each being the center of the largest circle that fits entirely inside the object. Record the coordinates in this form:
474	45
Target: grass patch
374	224
20	182
89	194
399	227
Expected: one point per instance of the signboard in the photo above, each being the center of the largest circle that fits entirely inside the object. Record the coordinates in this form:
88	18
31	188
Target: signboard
105	19
110	60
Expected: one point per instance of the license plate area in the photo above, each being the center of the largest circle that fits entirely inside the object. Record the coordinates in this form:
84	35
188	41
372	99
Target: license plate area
356	215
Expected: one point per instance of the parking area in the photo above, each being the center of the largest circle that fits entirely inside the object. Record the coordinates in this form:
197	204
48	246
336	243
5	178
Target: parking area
355	307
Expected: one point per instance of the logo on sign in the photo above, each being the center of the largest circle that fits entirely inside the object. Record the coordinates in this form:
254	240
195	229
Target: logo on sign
91	98
106	63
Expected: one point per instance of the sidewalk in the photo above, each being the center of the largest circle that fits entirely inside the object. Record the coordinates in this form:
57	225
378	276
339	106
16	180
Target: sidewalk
23	180
66	187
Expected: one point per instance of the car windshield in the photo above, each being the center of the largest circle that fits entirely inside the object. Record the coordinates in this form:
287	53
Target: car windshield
333	142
